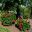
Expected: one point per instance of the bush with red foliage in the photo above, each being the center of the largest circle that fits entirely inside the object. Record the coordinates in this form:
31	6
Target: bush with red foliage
20	26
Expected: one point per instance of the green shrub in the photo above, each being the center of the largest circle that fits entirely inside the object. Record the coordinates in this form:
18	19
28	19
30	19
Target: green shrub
12	17
26	13
4	29
26	25
6	21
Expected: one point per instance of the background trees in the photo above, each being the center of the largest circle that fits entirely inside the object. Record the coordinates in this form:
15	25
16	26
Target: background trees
8	5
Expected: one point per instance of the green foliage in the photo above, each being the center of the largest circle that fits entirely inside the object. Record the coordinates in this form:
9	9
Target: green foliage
12	17
11	3
6	21
3	29
26	25
31	0
27	12
0	1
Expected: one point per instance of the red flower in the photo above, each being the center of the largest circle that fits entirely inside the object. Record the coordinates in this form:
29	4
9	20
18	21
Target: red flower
14	20
20	26
20	17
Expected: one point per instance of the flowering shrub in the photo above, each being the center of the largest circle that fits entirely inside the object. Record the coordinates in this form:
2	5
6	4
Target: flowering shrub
23	25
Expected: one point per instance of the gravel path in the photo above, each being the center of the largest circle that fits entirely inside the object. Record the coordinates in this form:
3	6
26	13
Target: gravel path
31	25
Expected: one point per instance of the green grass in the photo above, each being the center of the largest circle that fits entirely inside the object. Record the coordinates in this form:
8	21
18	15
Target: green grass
3	29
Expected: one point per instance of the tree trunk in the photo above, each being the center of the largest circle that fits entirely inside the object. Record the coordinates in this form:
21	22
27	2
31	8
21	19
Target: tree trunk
18	12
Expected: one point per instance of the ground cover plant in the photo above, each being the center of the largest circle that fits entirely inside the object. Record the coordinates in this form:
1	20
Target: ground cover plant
3	29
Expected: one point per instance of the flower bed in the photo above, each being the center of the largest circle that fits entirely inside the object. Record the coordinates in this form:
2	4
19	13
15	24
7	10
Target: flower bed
22	25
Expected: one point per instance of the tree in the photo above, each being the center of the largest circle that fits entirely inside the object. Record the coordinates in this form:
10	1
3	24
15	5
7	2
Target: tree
10	4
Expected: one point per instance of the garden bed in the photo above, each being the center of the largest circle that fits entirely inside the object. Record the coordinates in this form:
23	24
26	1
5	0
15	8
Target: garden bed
13	28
